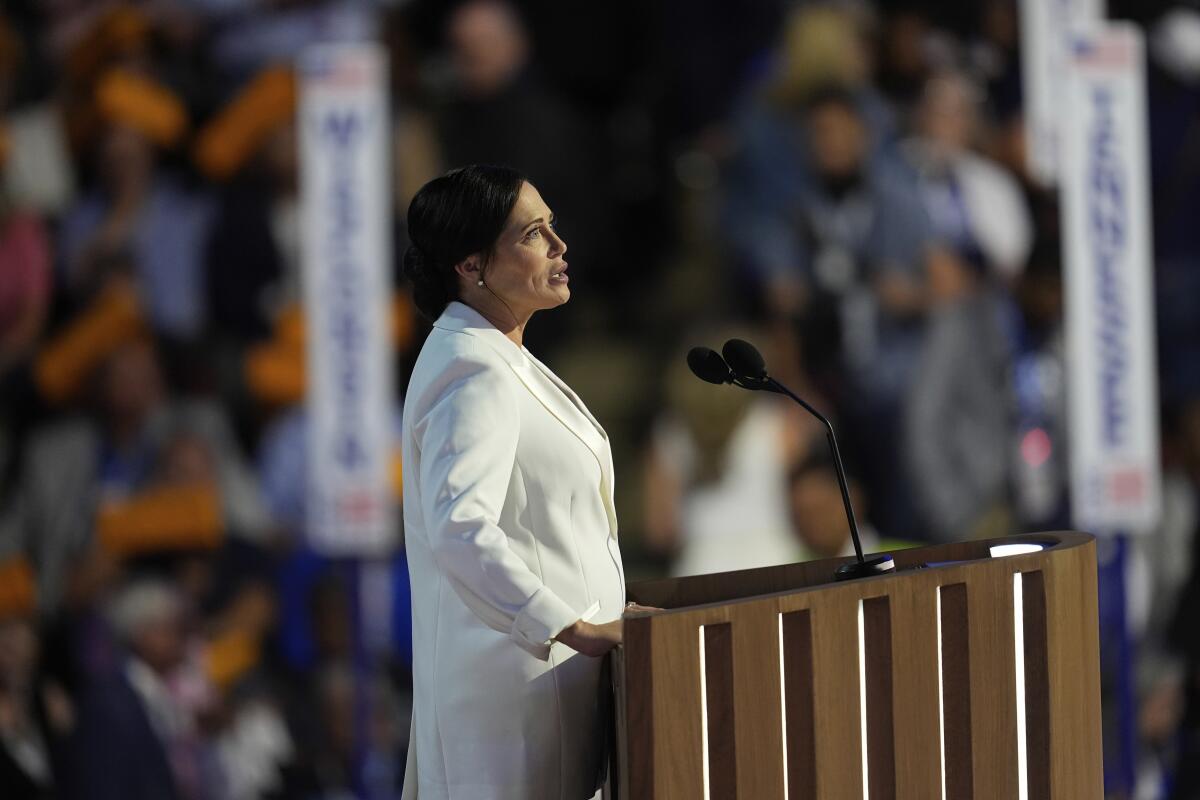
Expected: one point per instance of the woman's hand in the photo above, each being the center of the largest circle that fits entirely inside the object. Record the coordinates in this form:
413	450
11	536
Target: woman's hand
592	640
640	608
596	640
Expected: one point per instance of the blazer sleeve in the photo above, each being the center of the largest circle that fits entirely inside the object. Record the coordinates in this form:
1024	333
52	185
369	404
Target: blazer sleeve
468	445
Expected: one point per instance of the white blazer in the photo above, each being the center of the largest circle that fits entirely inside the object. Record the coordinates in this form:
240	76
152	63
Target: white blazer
511	536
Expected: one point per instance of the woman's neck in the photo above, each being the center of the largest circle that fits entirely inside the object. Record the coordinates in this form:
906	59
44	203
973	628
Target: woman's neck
501	317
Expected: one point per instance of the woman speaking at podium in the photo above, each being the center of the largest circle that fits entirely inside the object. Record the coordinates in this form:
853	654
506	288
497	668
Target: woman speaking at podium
517	582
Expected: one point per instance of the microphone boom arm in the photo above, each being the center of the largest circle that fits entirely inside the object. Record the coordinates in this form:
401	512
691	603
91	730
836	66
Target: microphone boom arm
772	385
741	364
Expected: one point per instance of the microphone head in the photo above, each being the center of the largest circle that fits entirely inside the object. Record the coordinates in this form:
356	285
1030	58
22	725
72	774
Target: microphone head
707	365
744	359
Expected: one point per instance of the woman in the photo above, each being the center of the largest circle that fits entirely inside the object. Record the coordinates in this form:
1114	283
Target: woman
517	582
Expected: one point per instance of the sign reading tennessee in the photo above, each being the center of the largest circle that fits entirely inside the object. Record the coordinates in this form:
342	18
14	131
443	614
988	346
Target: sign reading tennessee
1113	404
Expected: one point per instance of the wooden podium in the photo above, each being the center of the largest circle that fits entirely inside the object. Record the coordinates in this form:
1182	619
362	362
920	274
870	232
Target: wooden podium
972	677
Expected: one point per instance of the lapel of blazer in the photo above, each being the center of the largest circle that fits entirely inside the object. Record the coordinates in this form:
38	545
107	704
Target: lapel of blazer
461	317
596	438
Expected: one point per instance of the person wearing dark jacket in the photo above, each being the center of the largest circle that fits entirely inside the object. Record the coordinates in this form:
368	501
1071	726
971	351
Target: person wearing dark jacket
134	739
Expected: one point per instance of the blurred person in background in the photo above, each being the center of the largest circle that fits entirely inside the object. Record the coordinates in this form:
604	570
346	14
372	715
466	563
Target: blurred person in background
246	723
992	57
975	207
844	261
770	171
36	715
316	681
903	54
1037	393
486	117
29	156
252	280
135	739
958	419
26	770
818	515
860	281
336	748
1164	599
89	469
36	174
416	149
26	282
715	476
26	294
138	207
252	251
1173	79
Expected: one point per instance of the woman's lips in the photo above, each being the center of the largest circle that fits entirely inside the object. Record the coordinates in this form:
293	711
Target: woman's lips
560	278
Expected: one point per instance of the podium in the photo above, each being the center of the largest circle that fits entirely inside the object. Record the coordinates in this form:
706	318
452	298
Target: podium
960	675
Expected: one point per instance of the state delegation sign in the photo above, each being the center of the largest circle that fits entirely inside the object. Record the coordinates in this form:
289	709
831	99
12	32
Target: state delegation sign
1111	372
344	126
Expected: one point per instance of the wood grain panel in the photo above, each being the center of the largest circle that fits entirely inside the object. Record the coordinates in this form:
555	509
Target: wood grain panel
635	712
835	690
915	693
678	754
1073	661
1037	685
993	684
799	705
759	708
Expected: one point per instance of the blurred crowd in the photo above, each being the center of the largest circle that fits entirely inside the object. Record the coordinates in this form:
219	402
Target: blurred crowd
843	183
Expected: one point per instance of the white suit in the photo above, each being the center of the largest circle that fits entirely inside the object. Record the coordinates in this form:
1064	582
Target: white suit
511	537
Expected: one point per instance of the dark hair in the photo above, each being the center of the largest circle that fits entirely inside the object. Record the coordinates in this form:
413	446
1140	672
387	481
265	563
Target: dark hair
451	217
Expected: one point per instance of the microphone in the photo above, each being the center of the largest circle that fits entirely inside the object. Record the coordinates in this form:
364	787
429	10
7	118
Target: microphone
744	359
742	365
707	365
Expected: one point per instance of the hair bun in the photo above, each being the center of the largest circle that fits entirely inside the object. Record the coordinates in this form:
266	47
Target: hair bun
414	261
431	293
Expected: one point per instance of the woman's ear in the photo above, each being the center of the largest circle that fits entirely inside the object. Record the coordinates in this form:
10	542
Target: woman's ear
468	268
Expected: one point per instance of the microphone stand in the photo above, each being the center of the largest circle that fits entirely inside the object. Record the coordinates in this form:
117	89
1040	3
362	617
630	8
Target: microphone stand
861	567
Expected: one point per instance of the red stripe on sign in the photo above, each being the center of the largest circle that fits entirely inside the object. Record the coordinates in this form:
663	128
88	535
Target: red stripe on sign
1127	486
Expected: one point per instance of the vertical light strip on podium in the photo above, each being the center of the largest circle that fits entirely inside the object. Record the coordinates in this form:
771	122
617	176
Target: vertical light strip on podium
1019	667
941	690
703	712
783	735
862	699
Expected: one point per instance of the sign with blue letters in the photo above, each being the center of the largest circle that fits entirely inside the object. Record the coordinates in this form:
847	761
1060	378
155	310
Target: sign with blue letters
345	199
1046	30
1111	367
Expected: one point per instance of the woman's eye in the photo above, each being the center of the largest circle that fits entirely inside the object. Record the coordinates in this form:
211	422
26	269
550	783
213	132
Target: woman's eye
533	233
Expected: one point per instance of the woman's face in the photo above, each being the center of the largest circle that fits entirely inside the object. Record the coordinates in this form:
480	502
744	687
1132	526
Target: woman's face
527	270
